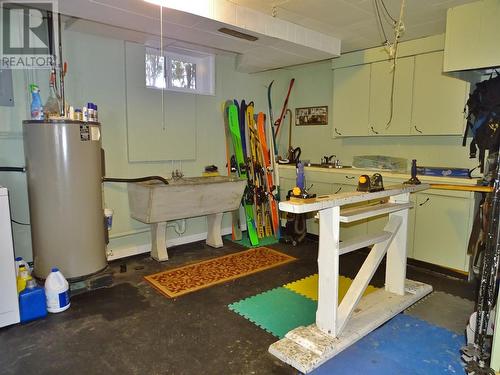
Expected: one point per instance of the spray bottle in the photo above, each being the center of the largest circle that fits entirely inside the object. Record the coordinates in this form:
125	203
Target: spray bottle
36	103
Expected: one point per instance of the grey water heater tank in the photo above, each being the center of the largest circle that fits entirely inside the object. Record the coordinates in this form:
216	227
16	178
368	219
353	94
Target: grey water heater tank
63	162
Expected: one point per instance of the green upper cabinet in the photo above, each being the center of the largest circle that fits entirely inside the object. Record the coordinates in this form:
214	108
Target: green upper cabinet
351	100
424	101
472	36
381	82
438	99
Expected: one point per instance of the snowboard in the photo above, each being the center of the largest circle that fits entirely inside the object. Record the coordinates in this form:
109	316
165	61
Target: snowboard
241	165
231	171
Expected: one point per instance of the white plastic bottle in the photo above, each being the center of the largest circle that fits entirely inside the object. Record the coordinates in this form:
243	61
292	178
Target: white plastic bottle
21	262
57	292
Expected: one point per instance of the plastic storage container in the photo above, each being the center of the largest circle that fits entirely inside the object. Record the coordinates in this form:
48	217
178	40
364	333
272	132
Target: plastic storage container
32	302
56	292
380	162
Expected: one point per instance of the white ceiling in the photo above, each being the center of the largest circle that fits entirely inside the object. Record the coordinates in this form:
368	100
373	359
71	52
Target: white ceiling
290	32
279	43
354	22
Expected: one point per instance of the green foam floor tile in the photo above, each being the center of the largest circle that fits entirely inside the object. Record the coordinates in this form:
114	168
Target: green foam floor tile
246	242
277	311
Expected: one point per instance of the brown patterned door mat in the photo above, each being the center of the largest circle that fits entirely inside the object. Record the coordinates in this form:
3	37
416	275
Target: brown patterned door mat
187	279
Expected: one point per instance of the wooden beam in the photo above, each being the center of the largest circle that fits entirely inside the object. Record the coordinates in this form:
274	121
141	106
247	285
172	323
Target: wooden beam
475	188
328	270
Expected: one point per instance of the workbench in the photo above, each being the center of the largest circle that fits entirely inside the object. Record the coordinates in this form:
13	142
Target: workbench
439	225
340	325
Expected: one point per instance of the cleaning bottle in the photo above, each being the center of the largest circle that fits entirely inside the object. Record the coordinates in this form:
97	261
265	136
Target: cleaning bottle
56	292
22	276
36	103
32	302
21	262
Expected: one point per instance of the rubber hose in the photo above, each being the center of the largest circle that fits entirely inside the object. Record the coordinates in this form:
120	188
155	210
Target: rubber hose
139	179
13	169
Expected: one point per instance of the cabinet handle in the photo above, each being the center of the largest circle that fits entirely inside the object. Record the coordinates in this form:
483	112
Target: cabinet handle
417	129
350	177
424	202
373	130
336	131
340	188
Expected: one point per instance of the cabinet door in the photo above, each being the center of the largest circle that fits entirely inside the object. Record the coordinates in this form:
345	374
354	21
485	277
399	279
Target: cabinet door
472	35
381	81
441	230
351	88
462	36
489	34
438	100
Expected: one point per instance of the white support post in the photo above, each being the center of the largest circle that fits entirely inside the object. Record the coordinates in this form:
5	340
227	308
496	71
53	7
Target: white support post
214	237
328	270
395	271
159	241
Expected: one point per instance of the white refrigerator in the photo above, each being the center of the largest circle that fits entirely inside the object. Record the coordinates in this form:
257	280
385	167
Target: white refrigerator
9	305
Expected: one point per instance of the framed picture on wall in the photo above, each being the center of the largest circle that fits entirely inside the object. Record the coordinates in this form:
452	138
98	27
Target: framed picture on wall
311	115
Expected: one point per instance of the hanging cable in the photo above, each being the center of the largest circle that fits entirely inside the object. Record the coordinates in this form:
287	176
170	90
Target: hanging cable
163	126
387	12
380	22
393	54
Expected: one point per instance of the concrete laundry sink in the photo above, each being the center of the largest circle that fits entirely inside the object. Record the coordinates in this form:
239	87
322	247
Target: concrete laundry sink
155	203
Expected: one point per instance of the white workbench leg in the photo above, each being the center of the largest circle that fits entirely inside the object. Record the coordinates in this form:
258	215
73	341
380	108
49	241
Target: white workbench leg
159	241
395	272
214	237
328	270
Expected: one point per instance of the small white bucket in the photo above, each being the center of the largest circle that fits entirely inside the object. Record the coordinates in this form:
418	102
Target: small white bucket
108	213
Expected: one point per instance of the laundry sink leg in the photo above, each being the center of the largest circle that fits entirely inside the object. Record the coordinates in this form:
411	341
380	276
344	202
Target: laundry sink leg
214	237
159	241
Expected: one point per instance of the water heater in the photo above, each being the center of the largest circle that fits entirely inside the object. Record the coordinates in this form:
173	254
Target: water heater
64	170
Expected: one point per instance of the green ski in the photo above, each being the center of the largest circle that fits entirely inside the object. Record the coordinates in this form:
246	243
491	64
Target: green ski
231	170
242	169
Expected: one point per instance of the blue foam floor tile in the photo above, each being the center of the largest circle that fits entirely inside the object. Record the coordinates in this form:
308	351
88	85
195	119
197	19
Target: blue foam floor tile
404	345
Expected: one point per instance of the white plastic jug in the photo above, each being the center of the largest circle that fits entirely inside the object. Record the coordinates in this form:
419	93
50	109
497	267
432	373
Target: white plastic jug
21	262
57	292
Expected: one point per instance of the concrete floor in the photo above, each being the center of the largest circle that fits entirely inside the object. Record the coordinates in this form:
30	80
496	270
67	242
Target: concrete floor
130	328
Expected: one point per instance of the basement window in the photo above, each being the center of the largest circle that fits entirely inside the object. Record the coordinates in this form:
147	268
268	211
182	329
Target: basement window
181	70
